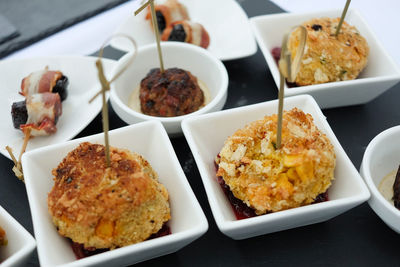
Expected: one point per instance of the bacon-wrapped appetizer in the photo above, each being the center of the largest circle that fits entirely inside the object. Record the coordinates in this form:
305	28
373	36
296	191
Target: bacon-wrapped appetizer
39	113
167	13
188	32
45	81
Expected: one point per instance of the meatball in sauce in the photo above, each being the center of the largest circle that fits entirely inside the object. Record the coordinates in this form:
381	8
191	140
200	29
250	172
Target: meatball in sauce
175	92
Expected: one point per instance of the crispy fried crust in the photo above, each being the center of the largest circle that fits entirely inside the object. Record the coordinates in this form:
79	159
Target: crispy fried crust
268	179
107	207
327	58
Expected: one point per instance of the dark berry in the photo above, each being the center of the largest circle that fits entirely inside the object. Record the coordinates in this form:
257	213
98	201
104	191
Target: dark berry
177	34
61	87
160	21
19	113
316	27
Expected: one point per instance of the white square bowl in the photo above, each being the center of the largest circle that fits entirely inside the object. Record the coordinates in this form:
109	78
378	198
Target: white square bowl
380	74
382	157
20	243
198	61
151	141
347	191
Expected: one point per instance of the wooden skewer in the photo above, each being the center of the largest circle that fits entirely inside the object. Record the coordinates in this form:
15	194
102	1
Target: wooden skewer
346	7
156	32
130	61
9	150
17	169
25	144
288	69
105	86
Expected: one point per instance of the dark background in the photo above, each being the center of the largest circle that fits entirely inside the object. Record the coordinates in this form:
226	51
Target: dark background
357	237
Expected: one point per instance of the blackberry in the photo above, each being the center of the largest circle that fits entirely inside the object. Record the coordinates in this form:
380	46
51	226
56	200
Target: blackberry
177	34
160	21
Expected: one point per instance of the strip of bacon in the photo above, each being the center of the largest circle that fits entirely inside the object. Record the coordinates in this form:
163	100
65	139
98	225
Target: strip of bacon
43	112
40	82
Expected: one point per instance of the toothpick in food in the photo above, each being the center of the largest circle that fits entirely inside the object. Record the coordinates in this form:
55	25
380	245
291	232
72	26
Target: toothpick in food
288	70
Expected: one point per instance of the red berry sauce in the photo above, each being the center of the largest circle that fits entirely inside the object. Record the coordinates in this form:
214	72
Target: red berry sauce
81	252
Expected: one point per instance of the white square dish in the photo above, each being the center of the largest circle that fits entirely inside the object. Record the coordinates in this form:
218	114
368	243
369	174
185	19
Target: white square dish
151	141
20	243
347	190
226	23
381	158
77	113
380	74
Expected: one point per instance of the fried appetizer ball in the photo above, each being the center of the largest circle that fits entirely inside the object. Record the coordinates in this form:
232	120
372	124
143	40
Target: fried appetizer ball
327	58
172	93
102	207
268	179
3	240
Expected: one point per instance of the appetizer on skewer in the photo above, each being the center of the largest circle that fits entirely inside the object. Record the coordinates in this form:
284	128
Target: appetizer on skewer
174	24
43	90
104	207
39	113
328	58
268	179
45	81
188	32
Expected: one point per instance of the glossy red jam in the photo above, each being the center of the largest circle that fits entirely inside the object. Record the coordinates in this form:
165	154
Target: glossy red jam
81	252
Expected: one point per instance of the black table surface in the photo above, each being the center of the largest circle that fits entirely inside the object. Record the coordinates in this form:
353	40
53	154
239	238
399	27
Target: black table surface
357	237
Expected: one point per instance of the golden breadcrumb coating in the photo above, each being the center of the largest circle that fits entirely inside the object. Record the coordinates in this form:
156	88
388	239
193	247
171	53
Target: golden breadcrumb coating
3	240
107	207
267	179
327	58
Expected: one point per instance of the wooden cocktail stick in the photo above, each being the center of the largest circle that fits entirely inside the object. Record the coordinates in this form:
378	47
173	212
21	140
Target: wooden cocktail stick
17	169
156	32
346	7
288	70
130	61
105	86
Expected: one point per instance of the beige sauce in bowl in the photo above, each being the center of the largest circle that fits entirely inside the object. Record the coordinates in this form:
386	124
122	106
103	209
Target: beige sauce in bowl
386	186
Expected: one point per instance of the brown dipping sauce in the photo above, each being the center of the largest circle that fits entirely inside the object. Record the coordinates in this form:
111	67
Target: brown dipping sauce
81	252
